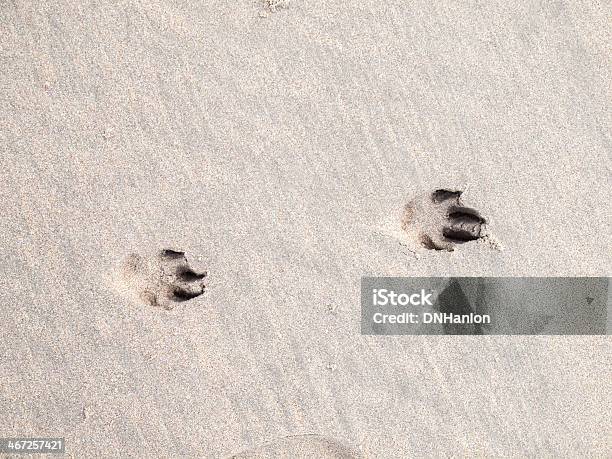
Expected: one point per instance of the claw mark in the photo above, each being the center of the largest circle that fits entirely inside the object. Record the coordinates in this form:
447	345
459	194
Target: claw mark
171	254
189	275
465	225
439	196
180	294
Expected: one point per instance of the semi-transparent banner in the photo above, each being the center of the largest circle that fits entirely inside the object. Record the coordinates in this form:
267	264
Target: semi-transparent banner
485	306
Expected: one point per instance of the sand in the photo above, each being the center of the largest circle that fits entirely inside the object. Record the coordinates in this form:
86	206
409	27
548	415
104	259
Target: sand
277	147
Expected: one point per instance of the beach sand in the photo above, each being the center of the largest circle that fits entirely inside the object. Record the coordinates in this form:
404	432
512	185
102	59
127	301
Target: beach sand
277	145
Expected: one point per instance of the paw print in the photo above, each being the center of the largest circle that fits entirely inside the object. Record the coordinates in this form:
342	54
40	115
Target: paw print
162	280
440	221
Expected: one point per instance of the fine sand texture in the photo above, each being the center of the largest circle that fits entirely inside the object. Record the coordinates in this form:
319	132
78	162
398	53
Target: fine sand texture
277	144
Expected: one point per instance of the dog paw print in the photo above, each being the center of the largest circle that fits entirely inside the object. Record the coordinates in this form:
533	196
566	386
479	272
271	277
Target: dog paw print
162	280
440	221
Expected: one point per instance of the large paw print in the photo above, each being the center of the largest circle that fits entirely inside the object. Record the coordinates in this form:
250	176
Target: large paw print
440	221
162	280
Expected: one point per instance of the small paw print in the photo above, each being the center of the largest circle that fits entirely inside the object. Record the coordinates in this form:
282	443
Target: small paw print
162	280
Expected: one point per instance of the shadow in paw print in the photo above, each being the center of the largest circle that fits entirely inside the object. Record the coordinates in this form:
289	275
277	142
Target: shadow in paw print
440	220
163	279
